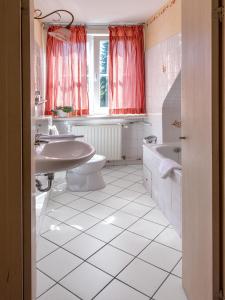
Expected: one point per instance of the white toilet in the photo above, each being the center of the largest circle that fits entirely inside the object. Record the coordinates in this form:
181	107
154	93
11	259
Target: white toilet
87	177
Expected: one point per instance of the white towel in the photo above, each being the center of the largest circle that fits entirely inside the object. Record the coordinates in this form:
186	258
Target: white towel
167	166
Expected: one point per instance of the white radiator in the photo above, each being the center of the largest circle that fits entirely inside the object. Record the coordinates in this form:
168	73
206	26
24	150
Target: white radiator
105	138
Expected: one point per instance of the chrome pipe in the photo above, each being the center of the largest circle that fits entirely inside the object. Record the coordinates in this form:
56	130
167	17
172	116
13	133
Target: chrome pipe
49	186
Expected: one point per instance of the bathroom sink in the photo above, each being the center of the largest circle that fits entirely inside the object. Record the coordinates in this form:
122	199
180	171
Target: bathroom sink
61	155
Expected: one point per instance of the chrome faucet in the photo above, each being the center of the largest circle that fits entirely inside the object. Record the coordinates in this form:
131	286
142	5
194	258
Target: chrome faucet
152	139
38	140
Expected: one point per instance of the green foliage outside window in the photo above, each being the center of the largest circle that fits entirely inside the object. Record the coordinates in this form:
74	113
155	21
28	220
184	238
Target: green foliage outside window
104	48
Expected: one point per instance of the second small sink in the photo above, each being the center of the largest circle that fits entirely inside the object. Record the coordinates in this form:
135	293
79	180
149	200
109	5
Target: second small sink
61	155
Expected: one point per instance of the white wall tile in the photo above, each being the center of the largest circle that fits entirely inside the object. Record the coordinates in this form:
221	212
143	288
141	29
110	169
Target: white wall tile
159	83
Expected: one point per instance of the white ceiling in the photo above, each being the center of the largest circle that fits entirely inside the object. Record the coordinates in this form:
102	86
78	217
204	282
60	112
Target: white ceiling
102	11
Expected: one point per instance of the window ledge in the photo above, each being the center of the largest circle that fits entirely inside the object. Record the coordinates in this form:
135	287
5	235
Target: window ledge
102	117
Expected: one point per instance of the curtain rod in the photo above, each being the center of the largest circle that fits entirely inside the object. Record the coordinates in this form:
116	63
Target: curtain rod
115	24
47	24
95	25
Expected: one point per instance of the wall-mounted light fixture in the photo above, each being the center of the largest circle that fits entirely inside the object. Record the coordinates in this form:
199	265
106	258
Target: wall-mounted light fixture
63	33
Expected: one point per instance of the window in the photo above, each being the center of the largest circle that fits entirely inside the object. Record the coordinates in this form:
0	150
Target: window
103	72
97	57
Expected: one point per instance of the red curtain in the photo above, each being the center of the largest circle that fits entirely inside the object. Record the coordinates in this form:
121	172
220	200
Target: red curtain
67	72
126	70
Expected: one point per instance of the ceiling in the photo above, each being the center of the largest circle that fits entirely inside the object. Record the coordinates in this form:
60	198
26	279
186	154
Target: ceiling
102	11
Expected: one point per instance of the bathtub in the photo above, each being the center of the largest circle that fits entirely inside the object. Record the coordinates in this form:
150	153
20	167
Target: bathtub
165	192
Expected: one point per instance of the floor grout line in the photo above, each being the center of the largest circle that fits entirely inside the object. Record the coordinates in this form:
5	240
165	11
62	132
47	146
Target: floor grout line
135	257
102	220
175	267
108	243
85	231
56	283
86	210
115	277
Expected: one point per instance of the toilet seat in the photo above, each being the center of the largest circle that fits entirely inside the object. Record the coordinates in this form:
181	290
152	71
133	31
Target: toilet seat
87	177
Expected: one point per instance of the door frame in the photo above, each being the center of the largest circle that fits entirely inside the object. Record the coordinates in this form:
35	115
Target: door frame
17	205
222	151
17	222
216	149
28	112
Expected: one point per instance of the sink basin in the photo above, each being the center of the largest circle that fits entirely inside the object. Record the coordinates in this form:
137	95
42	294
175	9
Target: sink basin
61	155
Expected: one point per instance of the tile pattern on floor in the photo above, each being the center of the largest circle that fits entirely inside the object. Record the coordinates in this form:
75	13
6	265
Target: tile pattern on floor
112	244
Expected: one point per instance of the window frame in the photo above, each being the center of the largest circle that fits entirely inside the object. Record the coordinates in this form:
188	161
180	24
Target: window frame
94	40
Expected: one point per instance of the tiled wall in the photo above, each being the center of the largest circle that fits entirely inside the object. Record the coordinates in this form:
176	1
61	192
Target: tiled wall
132	139
39	65
163	64
171	112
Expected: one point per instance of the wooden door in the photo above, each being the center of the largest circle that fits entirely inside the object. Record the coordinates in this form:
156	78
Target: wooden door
222	154
17	229
200	149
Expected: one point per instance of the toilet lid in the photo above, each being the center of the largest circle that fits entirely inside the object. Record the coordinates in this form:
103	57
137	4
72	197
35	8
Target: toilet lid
96	158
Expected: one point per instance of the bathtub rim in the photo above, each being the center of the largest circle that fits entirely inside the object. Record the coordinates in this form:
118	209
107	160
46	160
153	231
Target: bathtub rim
156	153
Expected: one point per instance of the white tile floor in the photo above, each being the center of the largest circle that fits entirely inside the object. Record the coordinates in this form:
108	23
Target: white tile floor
112	244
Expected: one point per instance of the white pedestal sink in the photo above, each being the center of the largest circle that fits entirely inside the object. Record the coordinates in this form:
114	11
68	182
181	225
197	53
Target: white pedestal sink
61	155
53	157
